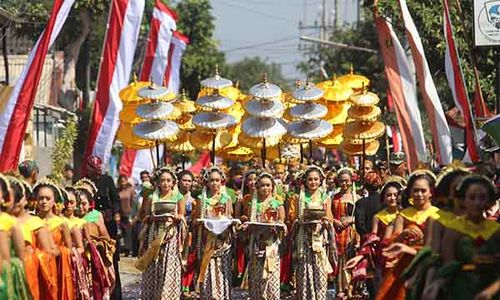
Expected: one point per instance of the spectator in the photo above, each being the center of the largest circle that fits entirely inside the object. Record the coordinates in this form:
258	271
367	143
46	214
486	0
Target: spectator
368	206
397	164
68	175
29	170
382	169
127	194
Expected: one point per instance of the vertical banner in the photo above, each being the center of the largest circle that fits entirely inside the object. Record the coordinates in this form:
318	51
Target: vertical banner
114	73
17	111
172	74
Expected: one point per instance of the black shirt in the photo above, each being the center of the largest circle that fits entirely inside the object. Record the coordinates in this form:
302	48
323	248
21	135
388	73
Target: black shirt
107	195
366	208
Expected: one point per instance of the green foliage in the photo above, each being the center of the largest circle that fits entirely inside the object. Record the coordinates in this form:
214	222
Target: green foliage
197	22
250	70
63	150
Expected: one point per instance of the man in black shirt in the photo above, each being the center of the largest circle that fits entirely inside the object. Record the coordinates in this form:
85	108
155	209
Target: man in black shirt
368	206
107	201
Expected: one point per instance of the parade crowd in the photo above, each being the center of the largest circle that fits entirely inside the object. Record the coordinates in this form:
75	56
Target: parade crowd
290	230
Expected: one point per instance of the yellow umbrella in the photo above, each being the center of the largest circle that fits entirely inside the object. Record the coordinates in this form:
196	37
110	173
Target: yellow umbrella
354	81
128	115
202	140
354	149
230	92
129	95
175	115
272	153
236	111
364	113
333	139
182	144
185	122
239	153
335	91
357	131
251	142
130	140
235	132
337	113
184	104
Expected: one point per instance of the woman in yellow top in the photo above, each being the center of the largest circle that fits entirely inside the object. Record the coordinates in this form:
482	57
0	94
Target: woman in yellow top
408	233
39	258
13	279
389	194
47	193
164	234
315	250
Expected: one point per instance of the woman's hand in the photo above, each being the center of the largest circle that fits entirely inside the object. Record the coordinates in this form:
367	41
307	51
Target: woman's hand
394	251
244	219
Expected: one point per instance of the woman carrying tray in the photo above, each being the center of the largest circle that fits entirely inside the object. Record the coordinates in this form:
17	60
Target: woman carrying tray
315	251
215	237
267	217
163	237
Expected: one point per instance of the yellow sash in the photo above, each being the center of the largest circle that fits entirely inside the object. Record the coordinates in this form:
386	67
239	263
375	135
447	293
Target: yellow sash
34	223
419	217
485	229
386	217
6	222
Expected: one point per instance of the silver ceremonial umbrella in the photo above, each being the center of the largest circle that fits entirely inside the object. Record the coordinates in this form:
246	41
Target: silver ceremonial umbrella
215	101
154	110
308	111
309	130
308	92
156	92
265	90
264	128
156	130
265	108
213	120
216	82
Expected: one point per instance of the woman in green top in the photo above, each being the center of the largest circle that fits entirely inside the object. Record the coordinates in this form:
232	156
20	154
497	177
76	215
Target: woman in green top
264	265
315	250
164	233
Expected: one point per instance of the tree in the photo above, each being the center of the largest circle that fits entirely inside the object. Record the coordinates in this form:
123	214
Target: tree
250	70
202	55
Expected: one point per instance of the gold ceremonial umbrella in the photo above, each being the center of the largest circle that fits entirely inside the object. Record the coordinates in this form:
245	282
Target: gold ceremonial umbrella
251	142
182	144
239	153
364	113
364	98
371	148
354	81
185	122
128	115
333	139
335	91
175	115
129	95
357	131
203	139
130	140
184	104
337	113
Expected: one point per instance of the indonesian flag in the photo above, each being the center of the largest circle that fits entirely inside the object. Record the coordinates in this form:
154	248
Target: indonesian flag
162	65
16	112
114	73
177	48
163	23
457	85
437	119
402	92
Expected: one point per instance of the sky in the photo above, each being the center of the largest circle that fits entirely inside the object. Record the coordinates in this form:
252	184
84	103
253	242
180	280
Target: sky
270	28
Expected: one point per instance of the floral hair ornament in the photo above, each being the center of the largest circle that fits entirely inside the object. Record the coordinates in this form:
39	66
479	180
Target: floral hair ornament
86	185
456	166
422	171
165	169
211	169
345	170
47	182
394	180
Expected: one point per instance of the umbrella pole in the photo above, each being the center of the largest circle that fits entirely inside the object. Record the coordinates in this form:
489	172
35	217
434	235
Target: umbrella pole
157	153
165	153
212	154
279	151
183	161
301	153
263	153
363	164
310	151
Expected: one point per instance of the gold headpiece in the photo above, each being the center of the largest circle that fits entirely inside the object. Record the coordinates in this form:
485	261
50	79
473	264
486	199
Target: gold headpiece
15	180
86	185
455	166
394	179
167	169
49	183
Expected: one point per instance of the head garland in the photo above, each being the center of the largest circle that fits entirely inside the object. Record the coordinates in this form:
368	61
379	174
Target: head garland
46	182
212	169
266	175
393	181
455	168
345	170
313	168
20	187
422	173
165	169
471	179
87	185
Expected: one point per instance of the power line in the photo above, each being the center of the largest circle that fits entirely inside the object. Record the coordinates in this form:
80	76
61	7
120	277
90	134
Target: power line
261	44
261	13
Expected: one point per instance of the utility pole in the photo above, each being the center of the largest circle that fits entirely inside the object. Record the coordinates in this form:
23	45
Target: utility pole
322	32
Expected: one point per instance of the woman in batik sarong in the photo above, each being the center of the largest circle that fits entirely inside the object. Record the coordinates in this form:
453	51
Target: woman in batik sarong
264	260
47	194
12	248
343	204
215	251
314	239
408	233
99	246
163	236
242	212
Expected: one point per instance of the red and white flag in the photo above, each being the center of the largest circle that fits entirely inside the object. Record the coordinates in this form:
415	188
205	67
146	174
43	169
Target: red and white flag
402	92
437	119
163	24
457	85
177	48
114	73
17	111
135	161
